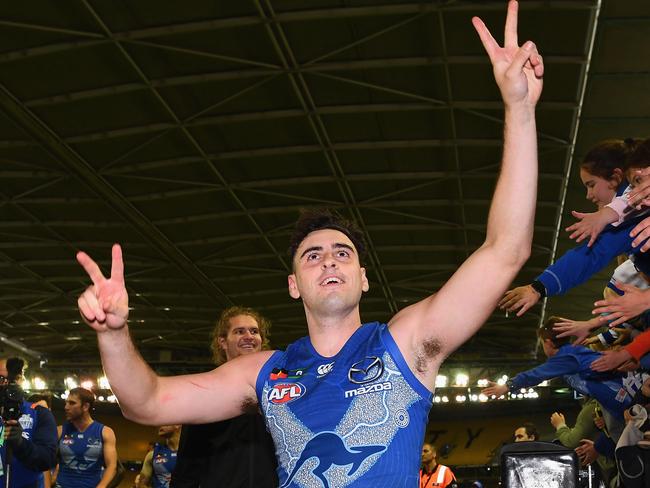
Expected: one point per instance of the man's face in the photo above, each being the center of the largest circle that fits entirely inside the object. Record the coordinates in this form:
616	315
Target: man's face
327	274
521	436
243	337
73	408
428	454
166	431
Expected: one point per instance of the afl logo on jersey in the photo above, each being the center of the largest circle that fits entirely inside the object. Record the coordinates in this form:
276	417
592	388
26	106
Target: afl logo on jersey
286	392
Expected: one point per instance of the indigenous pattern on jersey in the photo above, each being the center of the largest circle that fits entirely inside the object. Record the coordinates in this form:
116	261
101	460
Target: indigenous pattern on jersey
81	456
164	461
351	420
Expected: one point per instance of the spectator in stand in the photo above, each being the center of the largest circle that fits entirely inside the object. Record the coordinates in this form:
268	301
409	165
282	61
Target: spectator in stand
634	306
602	169
586	434
613	390
625	274
527	432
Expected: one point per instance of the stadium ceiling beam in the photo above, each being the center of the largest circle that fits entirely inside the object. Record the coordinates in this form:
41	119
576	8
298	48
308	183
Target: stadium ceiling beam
90	39
216	173
296	113
74	163
340	146
575	126
345	13
260	73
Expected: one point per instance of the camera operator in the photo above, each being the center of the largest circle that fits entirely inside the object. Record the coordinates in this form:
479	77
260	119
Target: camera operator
29	432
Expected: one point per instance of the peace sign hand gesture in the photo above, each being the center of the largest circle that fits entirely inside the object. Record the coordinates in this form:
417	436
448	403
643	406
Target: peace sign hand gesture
105	304
517	70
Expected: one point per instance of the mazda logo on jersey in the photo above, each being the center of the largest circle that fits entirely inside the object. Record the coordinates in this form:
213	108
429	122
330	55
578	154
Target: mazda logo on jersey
286	392
368	369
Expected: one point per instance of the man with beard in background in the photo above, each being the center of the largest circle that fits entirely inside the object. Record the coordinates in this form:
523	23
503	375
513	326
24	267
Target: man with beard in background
236	452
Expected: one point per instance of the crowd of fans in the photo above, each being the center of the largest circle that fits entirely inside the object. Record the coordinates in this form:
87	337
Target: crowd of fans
605	358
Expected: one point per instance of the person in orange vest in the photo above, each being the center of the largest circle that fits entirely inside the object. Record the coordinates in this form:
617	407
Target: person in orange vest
433	474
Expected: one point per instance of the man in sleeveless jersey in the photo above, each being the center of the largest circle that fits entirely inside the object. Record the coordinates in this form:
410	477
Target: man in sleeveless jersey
237	451
347	405
160	461
31	438
87	453
432	474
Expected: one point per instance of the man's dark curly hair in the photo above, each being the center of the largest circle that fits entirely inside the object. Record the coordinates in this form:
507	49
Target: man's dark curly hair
313	219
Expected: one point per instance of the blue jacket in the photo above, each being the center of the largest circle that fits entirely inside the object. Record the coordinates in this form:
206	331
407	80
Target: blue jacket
37	451
580	263
613	390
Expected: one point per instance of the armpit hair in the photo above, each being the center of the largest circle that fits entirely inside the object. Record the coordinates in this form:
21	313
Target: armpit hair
249	406
426	353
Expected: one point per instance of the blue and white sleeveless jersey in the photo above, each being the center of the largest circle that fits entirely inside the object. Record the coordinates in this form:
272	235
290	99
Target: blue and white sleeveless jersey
81	456
355	419
164	461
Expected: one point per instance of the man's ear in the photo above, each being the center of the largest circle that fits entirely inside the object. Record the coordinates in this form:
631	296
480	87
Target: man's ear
365	286
222	343
293	287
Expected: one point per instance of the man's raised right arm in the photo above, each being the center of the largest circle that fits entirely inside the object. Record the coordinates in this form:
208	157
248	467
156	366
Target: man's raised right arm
145	397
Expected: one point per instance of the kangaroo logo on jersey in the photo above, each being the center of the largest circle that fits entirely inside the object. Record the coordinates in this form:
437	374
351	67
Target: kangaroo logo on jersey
330	450
368	369
286	392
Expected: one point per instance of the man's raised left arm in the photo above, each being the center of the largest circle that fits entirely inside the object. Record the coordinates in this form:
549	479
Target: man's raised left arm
436	326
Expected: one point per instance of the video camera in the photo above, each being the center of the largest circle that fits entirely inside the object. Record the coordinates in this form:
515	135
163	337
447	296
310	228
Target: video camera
11	393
